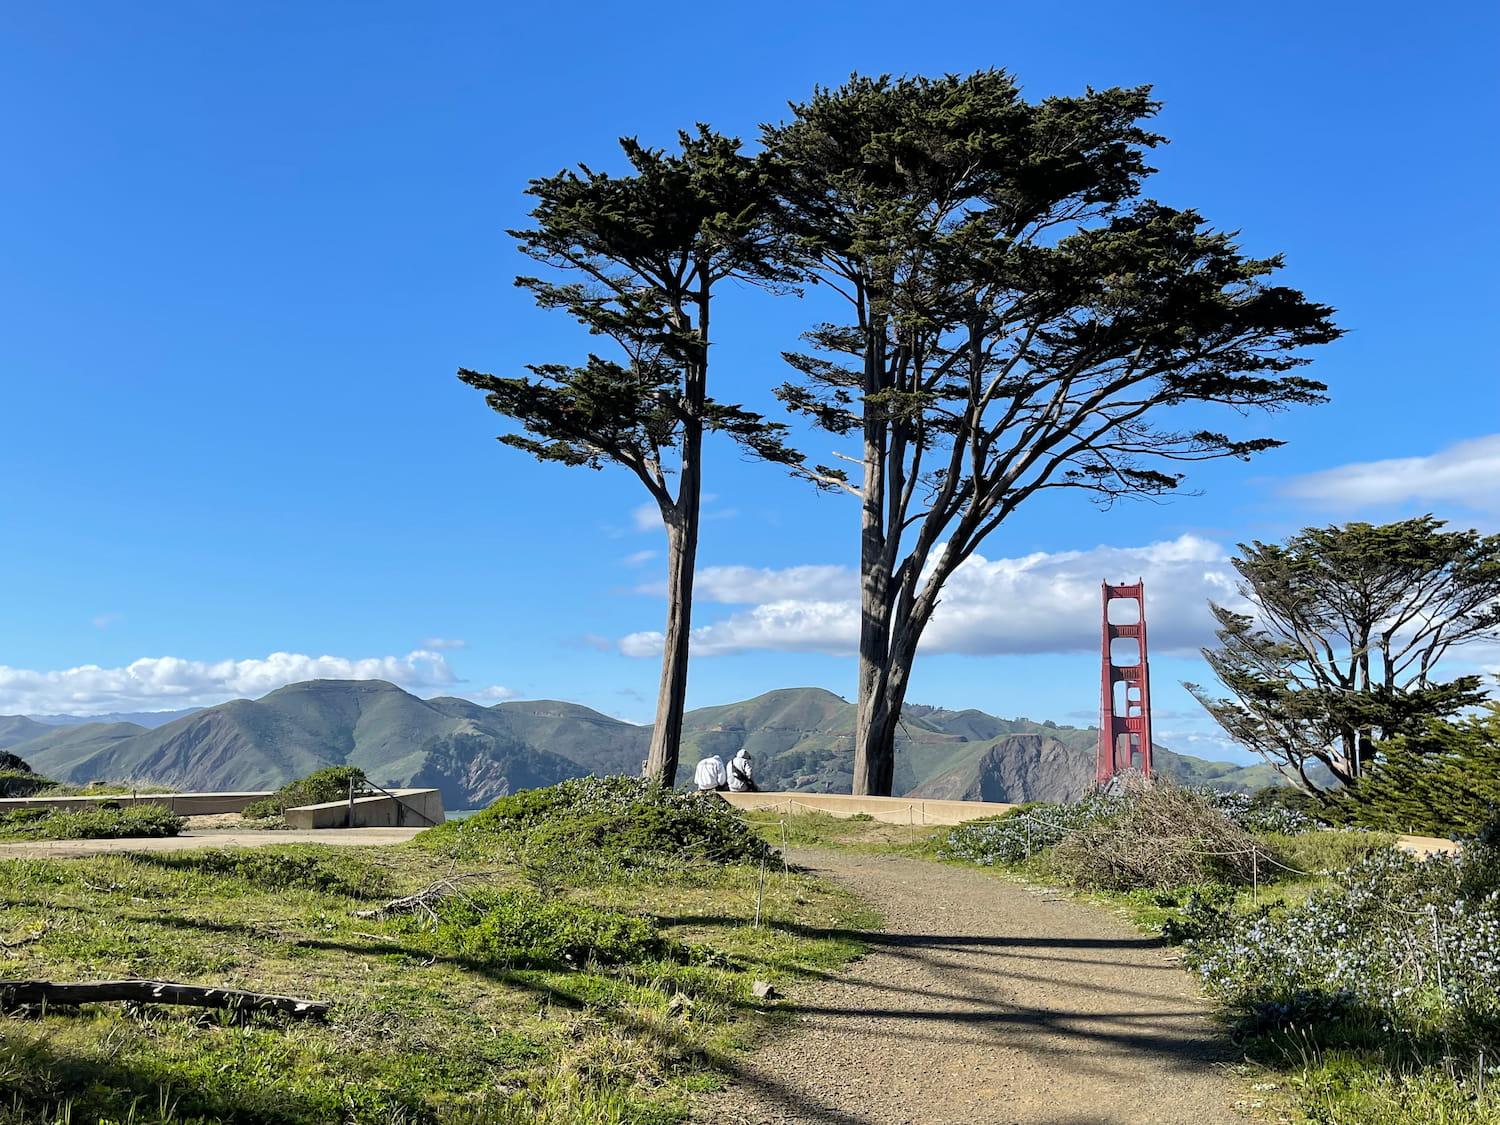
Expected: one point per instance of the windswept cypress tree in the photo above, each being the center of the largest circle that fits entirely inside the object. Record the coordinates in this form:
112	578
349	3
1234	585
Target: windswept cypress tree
636	259
1019	321
1348	628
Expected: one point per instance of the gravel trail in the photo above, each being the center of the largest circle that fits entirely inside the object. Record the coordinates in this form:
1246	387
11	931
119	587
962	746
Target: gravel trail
986	1002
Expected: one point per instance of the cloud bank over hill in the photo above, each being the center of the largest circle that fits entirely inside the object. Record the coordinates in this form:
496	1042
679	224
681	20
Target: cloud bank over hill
1042	602
170	682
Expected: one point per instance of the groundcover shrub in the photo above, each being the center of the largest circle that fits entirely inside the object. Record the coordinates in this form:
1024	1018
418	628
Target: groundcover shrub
1395	948
1279	809
601	823
317	788
1148	836
279	868
89	824
22	782
1019	834
524	929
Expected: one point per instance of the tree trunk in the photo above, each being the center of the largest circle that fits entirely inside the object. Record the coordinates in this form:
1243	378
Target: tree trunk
874	754
671	697
682	557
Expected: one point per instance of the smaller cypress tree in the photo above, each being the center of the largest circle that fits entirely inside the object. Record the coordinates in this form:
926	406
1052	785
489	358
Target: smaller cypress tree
1441	781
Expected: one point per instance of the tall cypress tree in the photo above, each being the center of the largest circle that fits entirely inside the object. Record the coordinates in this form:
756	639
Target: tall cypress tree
1019	321
635	260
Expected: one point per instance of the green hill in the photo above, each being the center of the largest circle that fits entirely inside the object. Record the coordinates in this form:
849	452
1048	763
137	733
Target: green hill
16	729
802	739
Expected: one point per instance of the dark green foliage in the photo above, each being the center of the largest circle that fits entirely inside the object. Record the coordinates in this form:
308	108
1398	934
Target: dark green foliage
520	928
601	825
18	779
1349	623
22	782
97	823
647	249
1443	780
331	784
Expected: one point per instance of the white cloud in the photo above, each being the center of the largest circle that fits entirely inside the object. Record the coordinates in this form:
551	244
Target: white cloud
646	517
1465	473
169	682
1044	602
444	643
638	558
495	693
749	585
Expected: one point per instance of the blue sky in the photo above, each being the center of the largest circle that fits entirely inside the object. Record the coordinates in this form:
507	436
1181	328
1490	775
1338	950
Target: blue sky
243	249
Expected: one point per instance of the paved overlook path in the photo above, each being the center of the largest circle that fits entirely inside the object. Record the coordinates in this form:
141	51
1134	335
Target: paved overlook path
987	1002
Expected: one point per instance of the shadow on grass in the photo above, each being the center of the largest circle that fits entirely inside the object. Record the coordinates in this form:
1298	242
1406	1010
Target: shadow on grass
41	1082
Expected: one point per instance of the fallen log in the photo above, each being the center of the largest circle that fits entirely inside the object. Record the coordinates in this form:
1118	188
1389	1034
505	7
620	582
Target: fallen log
35	993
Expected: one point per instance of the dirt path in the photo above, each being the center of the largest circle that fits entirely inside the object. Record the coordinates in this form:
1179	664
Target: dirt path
244	838
987	1002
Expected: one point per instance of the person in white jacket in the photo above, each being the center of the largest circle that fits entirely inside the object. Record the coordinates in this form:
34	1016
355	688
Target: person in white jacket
742	773
709	776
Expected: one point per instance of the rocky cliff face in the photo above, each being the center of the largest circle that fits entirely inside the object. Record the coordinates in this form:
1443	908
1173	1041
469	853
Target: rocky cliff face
1018	767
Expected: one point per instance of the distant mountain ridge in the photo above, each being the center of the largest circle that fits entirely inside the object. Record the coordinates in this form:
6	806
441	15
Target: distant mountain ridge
802	739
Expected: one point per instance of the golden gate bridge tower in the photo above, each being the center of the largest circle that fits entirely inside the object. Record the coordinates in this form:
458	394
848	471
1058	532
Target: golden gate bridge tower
1125	695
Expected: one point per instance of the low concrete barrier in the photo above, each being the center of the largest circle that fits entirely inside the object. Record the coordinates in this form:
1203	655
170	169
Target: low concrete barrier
397	808
893	810
1428	845
183	804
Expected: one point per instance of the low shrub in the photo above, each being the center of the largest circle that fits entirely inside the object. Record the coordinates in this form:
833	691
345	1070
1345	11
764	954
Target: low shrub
317	788
1024	831
1396	949
599	824
136	821
1280	809
1159	836
21	782
278	868
521	928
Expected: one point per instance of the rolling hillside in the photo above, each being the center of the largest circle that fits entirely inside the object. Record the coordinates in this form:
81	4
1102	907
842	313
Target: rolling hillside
16	729
802	739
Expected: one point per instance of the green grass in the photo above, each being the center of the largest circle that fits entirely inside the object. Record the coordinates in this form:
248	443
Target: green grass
859	833
498	1012
135	821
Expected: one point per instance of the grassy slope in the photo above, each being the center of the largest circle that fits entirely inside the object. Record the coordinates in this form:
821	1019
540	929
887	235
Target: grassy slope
416	1035
15	729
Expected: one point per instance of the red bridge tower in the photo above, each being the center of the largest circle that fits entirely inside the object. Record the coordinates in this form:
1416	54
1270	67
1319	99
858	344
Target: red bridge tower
1125	698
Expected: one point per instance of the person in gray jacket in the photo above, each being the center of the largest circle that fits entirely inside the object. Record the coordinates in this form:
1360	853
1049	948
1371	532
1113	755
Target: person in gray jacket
742	773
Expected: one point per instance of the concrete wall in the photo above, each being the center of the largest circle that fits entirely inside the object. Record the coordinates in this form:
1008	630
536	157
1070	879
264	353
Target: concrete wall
183	804
894	810
403	808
